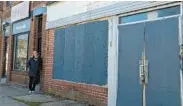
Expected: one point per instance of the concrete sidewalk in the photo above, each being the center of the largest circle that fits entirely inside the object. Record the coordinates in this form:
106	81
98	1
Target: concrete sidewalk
17	96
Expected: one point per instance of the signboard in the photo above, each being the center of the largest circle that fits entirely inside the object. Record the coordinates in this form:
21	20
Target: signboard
20	11
22	26
39	11
58	9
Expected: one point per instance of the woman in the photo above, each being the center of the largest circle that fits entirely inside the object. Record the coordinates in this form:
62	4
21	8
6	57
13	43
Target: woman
34	65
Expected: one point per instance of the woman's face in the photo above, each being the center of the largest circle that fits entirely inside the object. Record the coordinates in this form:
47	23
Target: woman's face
35	54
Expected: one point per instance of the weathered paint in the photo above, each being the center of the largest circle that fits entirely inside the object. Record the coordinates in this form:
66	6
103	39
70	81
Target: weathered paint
162	48
112	60
80	53
74	7
130	51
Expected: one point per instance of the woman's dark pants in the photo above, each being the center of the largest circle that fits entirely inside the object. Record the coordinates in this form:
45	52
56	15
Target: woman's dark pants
32	83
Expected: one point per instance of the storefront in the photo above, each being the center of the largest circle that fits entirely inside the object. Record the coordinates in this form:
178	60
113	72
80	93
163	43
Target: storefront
21	32
134	29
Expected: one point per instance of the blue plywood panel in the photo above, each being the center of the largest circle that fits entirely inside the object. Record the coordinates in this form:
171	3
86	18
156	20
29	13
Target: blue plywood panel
88	55
130	50
95	52
84	53
59	53
79	43
69	53
163	88
101	52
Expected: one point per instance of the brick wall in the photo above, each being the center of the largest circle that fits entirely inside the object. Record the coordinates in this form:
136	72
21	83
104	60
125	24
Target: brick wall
1	55
94	94
10	56
44	48
19	77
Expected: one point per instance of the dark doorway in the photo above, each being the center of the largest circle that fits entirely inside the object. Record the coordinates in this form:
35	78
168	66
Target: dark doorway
39	37
39	34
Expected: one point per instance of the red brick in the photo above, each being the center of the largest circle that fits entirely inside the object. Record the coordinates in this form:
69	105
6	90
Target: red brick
92	93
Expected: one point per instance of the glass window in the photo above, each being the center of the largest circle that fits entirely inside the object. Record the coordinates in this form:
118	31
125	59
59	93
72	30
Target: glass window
133	18
169	11
21	50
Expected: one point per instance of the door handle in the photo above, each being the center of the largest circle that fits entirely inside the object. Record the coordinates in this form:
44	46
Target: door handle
143	69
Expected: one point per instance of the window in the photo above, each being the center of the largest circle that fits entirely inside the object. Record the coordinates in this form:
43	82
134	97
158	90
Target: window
144	16
21	50
8	3
169	11
133	18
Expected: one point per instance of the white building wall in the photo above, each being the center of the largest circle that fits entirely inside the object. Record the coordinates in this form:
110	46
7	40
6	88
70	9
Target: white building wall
58	15
66	9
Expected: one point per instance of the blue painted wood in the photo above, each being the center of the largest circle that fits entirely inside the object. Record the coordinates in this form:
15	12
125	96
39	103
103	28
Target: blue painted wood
130	51
39	11
162	49
82	49
163	88
59	53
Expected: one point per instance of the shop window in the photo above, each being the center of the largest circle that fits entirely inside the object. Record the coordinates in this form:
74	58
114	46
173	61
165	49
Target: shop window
169	11
8	3
21	50
133	18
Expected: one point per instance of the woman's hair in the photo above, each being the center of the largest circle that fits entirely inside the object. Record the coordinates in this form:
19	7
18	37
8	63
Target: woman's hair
35	51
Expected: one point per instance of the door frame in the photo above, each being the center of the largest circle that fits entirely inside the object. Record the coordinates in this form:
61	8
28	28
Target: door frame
113	50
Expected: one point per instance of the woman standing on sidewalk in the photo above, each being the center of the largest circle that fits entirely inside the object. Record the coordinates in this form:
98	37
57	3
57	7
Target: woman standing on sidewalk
34	66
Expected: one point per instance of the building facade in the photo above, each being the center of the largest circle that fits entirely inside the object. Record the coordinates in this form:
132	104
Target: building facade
104	53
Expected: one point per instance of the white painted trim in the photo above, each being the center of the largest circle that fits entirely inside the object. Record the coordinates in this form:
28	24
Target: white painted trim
160	18
181	77
181	8
111	10
152	15
181	87
113	61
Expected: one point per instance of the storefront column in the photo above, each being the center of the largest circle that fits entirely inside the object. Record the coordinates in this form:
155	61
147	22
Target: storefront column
2	49
10	55
43	52
113	61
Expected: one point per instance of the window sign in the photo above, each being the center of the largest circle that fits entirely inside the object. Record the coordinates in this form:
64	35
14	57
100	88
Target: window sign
22	26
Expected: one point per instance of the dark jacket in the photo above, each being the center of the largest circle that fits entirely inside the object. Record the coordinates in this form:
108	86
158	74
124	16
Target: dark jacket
34	66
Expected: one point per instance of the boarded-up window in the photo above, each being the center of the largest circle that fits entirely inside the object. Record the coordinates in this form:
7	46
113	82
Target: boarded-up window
81	52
